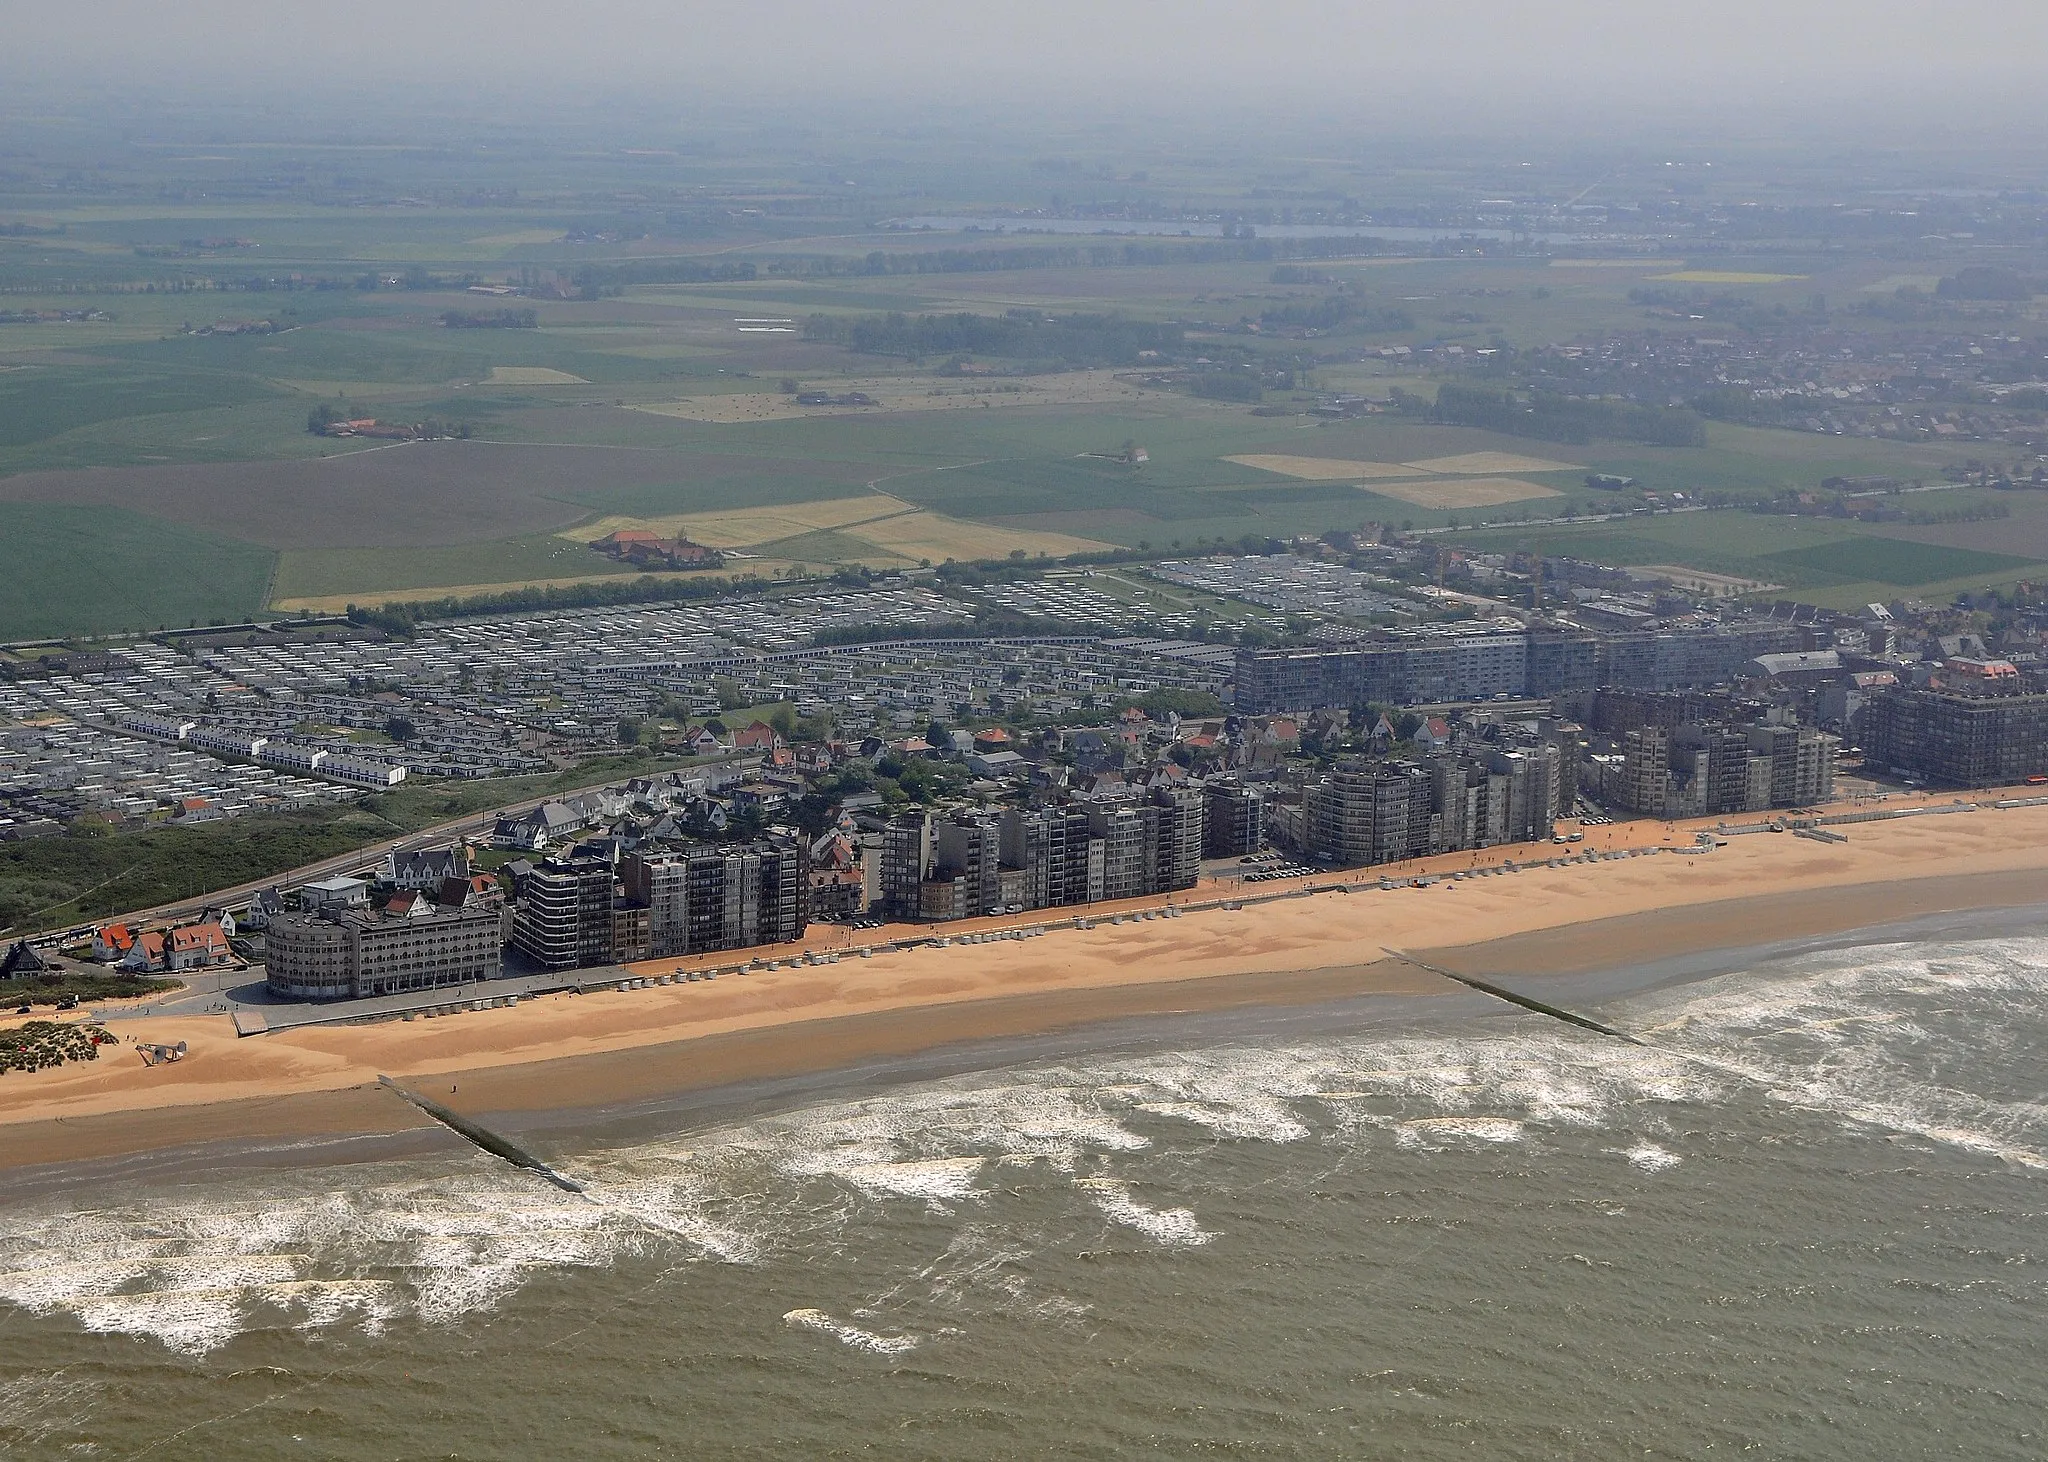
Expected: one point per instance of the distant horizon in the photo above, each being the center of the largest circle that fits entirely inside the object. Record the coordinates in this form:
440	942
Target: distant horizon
1886	71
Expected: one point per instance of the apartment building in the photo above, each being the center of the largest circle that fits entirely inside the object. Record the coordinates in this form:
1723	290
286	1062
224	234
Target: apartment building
713	897
353	953
563	919
1233	817
1959	736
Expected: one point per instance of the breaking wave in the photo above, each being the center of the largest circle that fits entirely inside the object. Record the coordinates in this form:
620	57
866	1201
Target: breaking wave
1906	1040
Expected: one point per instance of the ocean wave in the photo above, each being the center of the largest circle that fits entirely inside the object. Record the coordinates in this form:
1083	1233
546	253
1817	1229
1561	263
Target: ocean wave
850	1335
1175	1227
1890	1038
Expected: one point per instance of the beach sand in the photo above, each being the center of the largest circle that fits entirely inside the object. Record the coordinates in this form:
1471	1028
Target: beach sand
569	1051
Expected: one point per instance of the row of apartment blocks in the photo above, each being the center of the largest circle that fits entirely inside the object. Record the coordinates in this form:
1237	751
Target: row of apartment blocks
1365	811
1422	668
1701	768
1971	731
582	910
572	912
971	862
286	755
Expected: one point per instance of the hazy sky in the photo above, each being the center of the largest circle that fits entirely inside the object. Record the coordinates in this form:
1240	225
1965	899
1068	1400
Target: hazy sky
1923	54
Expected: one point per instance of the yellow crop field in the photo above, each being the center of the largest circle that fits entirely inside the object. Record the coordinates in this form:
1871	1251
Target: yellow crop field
1461	492
895	529
1486	462
1724	276
745	527
920	535
1320	469
532	376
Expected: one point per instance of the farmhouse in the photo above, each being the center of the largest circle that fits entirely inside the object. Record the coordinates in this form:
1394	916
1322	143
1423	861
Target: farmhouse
647	549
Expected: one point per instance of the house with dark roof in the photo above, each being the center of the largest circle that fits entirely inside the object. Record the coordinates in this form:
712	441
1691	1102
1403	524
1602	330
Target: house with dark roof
423	869
533	831
264	907
23	963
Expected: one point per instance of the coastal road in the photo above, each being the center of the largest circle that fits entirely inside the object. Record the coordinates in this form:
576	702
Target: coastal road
354	862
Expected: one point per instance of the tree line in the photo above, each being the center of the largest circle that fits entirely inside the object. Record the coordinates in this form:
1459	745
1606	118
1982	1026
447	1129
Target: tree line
1573	420
404	619
490	320
1018	334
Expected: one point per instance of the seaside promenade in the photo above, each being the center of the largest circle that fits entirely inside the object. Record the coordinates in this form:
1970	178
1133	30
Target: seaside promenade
1537	910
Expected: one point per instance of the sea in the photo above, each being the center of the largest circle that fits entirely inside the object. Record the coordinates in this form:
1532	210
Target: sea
1803	1218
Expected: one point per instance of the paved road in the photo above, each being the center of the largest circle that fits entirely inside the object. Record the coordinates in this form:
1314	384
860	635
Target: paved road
229	991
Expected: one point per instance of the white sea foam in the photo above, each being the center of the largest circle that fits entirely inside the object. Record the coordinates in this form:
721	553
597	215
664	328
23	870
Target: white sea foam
1851	1034
1436	1134
1176	1227
851	1335
1651	1158
1866	1036
937	1180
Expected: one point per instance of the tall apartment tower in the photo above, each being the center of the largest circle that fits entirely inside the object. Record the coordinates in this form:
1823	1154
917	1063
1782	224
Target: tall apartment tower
1181	829
1365	813
1234	818
1801	761
1647	770
1052	847
714	897
969	851
908	847
1130	847
564	917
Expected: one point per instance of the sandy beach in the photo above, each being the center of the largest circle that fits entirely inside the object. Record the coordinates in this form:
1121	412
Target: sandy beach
594	1049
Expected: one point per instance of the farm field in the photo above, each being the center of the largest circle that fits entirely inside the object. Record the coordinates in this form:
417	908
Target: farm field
308	574
175	420
67	569
1319	469
1463	492
876	529
373	522
902	394
1834	564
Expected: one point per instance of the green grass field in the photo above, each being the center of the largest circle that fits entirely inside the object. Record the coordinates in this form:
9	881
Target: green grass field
1822	561
1894	561
42	401
309	573
79	570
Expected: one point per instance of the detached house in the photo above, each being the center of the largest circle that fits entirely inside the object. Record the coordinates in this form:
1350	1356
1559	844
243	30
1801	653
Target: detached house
112	943
760	737
424	869
548	823
196	947
145	955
